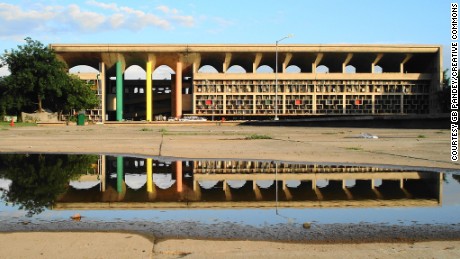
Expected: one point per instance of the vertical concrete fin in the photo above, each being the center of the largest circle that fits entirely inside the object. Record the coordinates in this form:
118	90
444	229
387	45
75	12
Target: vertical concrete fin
256	63
406	58
318	59
102	85
286	61
347	61
376	61
227	62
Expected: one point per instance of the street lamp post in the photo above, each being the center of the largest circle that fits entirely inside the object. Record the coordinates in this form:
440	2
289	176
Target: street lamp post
276	74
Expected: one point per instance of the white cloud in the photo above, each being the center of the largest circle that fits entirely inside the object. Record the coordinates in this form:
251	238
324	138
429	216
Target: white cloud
20	21
173	14
167	10
187	21
117	20
85	20
10	12
111	6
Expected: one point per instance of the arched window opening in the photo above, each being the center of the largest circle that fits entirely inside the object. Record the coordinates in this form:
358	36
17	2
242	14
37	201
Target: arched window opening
82	69
134	72
207	69
236	69
322	69
293	69
350	69
265	69
378	70
163	72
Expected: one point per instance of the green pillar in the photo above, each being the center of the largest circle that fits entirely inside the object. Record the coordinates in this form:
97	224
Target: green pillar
119	92
119	174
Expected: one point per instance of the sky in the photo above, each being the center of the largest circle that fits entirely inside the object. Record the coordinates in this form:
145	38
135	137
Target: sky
235	21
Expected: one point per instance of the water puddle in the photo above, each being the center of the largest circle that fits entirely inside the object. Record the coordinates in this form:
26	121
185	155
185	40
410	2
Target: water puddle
41	191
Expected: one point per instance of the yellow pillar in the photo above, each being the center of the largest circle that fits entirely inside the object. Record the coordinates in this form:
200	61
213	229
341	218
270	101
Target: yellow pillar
149	176
148	91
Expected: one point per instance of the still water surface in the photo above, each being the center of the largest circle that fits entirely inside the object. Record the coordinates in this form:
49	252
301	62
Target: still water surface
47	188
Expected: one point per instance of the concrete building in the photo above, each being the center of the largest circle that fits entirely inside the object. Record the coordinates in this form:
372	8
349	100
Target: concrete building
311	79
129	182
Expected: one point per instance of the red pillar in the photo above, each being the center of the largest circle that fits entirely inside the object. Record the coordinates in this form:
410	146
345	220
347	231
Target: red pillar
178	167
177	92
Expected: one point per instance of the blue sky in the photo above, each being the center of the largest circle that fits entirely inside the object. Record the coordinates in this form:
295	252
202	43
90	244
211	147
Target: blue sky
236	21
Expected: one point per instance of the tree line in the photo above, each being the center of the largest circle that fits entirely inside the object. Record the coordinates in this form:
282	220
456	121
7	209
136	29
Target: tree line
38	81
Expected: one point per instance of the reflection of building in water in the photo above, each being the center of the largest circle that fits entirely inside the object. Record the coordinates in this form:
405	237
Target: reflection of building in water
126	182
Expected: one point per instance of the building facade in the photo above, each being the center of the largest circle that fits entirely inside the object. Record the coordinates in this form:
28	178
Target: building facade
240	81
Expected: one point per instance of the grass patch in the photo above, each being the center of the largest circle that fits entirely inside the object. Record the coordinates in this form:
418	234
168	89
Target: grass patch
146	129
17	124
258	136
440	132
421	136
163	131
354	148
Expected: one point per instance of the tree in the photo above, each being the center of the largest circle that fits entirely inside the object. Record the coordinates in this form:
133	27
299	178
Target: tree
37	179
75	94
38	79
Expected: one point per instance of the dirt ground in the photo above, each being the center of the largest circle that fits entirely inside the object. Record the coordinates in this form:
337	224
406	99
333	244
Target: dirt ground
403	147
411	147
125	245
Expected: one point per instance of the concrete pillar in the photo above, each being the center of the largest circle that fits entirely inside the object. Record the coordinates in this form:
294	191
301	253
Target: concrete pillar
120	179
148	92
256	62
227	61
149	175
227	190
257	192
287	192
102	85
346	62
373	103
177	92
318	59
103	173
284	104
119	91
286	61
407	58
196	64
376	61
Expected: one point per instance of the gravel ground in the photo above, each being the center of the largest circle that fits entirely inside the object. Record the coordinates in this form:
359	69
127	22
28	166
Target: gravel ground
295	232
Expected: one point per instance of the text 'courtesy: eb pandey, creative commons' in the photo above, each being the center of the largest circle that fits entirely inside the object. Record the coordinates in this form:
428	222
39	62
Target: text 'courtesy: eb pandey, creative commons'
454	82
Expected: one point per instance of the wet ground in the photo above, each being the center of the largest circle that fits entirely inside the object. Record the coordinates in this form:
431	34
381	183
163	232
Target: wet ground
228	199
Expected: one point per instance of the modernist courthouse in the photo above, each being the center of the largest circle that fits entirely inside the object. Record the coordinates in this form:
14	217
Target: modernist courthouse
311	80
